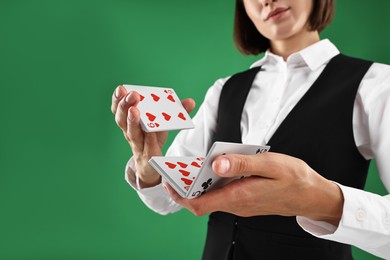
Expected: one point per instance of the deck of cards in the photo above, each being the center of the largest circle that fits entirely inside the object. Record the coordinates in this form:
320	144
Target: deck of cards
161	109
193	176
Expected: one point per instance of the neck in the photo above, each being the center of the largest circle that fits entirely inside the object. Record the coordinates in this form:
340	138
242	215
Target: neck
286	47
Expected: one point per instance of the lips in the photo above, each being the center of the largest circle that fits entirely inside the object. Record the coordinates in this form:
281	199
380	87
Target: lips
277	11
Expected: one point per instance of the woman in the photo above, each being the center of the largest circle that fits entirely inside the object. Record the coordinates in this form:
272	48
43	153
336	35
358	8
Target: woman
324	115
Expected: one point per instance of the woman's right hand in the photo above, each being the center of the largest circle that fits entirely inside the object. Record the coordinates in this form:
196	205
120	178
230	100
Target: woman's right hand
144	145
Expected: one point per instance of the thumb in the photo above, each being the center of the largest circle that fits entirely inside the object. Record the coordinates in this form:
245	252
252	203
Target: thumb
231	165
188	104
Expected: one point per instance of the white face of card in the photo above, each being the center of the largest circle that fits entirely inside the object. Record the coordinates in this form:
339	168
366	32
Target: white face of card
160	109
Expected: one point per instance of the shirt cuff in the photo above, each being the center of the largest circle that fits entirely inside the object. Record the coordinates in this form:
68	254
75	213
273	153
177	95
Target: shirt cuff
155	198
132	179
316	228
365	221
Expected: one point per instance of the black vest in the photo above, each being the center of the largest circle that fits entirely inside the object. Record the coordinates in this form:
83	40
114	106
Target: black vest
319	131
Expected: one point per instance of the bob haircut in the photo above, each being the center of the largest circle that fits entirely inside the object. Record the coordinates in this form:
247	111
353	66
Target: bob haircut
249	41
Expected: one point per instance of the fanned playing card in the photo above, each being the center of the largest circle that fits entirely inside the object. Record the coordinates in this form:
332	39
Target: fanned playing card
180	172
193	176
161	109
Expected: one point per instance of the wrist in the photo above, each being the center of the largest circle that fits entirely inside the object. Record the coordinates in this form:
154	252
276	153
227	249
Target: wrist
329	203
145	174
149	180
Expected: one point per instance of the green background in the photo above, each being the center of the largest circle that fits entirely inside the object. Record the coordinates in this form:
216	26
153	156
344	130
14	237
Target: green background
62	157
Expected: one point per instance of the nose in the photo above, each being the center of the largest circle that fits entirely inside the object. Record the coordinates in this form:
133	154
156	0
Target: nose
268	2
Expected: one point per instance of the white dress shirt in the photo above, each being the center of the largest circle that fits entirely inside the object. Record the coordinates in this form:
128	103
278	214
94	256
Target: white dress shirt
365	222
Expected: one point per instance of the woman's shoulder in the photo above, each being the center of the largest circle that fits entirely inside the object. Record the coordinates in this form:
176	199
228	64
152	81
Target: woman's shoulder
379	71
375	84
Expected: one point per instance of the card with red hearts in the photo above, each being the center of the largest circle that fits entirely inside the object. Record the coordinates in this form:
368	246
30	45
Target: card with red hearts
161	109
193	176
180	172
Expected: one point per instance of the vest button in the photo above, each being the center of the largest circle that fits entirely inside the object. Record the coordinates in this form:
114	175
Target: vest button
236	223
233	242
360	214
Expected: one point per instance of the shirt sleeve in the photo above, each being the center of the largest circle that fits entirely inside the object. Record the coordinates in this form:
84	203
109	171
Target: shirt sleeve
155	198
194	141
197	141
365	221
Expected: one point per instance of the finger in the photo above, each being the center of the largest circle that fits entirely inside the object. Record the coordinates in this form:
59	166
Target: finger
211	201
162	138
151	145
173	194
131	99
118	94
230	165
188	104
205	204
134	131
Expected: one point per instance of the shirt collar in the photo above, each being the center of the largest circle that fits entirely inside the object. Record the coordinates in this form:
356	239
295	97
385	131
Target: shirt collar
313	56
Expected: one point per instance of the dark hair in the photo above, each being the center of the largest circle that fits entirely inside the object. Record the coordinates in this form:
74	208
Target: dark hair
248	40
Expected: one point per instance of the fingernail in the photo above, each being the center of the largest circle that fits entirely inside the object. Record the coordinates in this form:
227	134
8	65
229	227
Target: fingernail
117	92
127	99
223	165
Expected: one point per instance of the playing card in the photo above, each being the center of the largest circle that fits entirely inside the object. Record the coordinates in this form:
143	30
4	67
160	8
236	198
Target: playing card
193	176
180	172
207	179
160	109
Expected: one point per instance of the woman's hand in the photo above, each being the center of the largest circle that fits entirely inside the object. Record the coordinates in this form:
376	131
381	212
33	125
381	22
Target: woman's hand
144	145
275	184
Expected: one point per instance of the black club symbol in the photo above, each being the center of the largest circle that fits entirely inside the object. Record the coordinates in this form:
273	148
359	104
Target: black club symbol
207	183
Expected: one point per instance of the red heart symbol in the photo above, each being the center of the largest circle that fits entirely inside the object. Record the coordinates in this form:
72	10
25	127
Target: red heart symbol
141	97
170	165
182	165
195	164
166	116
170	97
155	97
186	181
150	116
181	115
185	173
157	125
